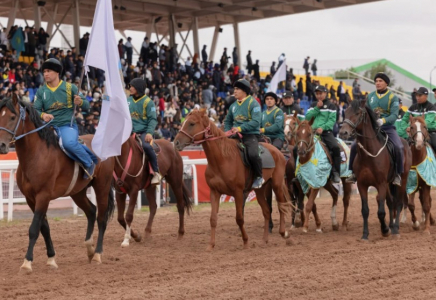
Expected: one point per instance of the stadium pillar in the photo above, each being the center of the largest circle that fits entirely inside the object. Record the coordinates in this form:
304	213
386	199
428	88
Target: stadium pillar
150	28
237	42
37	16
51	22
195	35
172	29
76	23
12	14
214	43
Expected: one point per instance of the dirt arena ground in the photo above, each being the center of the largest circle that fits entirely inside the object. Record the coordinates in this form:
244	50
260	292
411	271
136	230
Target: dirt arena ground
331	265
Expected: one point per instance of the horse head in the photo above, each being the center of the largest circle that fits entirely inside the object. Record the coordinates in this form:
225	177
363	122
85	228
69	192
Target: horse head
11	113
195	129
354	115
418	132
291	124
304	137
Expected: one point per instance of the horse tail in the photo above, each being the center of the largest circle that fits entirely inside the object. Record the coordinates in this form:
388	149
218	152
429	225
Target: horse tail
110	203
187	199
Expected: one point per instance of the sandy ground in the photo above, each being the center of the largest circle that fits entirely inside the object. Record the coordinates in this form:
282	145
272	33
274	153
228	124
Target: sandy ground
330	265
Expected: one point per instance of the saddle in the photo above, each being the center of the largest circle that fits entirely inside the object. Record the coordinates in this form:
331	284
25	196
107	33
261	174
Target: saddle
138	140
265	156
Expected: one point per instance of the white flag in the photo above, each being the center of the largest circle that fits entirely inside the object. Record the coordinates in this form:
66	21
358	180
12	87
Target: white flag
279	76
115	122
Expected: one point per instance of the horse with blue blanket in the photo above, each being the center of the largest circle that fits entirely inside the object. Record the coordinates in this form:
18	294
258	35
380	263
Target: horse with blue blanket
313	172
422	175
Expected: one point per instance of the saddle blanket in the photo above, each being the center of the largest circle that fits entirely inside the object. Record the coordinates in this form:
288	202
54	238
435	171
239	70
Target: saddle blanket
316	172
427	171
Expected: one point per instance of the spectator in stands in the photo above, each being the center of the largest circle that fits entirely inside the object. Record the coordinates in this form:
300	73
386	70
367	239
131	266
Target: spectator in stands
129	51
272	69
306	65
414	101
170	112
224	60
314	68
235	57
281	60
356	92
300	88
341	93
249	62
204	55
309	90
355	82
256	71
332	92
121	48
83	44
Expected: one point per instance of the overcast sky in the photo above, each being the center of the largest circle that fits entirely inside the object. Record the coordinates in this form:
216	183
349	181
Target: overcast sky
402	31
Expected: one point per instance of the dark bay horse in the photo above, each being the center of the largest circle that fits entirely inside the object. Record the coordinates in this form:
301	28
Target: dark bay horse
227	174
138	177
418	137
46	173
306	147
372	167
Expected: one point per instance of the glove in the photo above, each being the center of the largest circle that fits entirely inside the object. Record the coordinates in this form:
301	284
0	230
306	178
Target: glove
379	122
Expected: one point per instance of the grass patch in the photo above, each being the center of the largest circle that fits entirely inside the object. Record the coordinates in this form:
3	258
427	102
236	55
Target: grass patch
4	223
145	208
56	219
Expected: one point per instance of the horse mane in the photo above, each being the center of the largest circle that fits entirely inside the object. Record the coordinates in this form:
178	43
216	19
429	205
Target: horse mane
355	106
228	147
45	134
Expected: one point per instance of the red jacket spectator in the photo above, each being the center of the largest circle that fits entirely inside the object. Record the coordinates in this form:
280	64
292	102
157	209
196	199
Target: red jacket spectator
161	104
11	76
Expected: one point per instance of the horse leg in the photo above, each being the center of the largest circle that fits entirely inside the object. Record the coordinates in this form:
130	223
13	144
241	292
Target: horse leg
363	191
308	208
41	207
150	193
299	203
381	213
426	206
177	188
334	193
260	195
317	218
215	205
411	206
346	200
399	198
432	220
239	202
268	196
405	206
283	203
421	200
133	198
90	211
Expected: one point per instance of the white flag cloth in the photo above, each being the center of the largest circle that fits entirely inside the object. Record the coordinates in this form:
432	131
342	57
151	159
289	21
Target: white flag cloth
115	123
279	76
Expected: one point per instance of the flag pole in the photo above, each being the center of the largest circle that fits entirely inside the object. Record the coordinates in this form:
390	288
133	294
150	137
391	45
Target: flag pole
80	86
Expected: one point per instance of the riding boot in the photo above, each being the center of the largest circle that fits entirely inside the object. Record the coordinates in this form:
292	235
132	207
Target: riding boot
294	152
397	180
336	178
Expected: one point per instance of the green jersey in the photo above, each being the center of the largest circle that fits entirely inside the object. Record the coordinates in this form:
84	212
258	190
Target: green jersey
325	117
59	102
245	115
426	110
386	104
272	123
143	113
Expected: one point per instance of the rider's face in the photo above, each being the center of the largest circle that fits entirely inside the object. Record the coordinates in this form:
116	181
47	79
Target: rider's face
50	75
239	93
421	98
132	90
269	101
380	84
320	96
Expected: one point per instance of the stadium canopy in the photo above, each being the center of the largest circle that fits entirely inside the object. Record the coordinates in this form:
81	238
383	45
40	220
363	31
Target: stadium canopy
165	18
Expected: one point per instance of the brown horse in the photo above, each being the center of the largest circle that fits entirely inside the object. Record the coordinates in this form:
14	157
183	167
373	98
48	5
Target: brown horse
227	174
306	147
418	136
137	177
46	173
372	167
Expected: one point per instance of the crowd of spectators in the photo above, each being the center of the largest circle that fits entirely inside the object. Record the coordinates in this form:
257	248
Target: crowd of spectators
176	86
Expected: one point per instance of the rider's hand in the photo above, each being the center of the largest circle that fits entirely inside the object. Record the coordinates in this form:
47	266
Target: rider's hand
320	103
262	130
319	131
77	100
148	138
47	117
379	122
235	130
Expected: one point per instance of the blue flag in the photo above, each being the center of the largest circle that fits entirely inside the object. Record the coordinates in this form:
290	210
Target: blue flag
17	41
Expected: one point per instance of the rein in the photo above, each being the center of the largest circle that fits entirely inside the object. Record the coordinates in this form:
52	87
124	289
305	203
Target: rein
208	136
22	118
309	145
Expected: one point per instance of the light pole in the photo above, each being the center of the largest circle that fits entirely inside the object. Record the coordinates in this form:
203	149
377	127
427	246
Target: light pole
434	68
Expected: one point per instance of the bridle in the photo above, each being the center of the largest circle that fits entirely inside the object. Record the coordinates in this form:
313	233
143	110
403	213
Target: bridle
208	136
412	140
310	144
362	118
292	131
21	118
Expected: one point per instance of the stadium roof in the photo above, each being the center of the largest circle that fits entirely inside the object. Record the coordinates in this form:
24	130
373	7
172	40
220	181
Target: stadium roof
136	14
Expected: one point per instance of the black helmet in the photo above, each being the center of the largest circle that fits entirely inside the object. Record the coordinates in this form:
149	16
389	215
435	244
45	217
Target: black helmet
52	64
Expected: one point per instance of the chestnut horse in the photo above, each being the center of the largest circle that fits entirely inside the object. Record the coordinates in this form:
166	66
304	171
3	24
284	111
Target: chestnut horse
372	167
306	147
227	174
418	137
137	177
46	173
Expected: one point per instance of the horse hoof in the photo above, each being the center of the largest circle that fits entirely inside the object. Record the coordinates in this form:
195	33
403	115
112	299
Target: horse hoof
285	235
210	248
138	238
388	233
365	240
26	267
96	259
319	230
426	231
335	227
415	225
180	236
51	263
246	246
125	244
305	230
396	236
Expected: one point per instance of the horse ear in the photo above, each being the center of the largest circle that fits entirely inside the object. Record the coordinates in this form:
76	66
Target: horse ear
311	121
295	114
362	103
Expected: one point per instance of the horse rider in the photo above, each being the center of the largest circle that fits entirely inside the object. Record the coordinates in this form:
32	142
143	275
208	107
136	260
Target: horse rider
324	113
423	108
272	121
144	121
290	107
244	117
55	101
386	103
401	113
